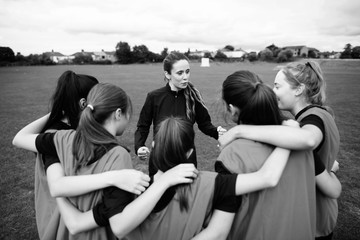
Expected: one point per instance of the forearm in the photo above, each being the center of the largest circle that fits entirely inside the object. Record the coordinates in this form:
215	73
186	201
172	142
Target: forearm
329	184
25	138
68	186
218	228
281	136
75	220
267	176
135	212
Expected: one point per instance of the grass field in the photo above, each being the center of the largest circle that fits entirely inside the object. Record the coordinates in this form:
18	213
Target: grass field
24	95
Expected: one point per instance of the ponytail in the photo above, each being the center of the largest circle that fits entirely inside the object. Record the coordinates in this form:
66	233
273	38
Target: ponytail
192	95
257	102
92	139
71	87
173	139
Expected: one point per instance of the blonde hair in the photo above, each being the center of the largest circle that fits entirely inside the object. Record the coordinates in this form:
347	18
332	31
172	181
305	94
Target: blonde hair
309	74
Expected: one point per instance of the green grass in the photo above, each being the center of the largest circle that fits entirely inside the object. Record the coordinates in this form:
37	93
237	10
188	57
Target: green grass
24	95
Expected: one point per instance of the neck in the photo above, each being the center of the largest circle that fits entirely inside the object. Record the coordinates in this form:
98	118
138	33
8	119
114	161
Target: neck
172	87
300	105
110	128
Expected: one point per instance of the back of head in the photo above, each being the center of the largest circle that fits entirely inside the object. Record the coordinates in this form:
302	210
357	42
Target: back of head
256	101
103	99
173	139
310	75
172	58
71	87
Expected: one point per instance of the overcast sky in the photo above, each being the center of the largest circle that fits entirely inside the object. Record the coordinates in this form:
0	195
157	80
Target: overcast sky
67	26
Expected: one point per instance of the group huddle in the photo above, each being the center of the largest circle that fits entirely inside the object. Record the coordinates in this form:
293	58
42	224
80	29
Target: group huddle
274	178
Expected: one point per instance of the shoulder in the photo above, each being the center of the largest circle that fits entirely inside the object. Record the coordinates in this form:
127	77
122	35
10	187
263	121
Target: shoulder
119	158
158	91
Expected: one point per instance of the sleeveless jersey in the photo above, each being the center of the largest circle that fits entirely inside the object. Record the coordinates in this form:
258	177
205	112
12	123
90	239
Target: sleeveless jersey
326	208
284	212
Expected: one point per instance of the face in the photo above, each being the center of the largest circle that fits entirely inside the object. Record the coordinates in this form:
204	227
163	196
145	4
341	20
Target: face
179	76
285	94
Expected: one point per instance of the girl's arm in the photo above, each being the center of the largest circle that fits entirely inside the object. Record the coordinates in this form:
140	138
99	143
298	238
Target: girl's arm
218	228
75	220
66	186
267	176
25	138
328	184
135	212
307	137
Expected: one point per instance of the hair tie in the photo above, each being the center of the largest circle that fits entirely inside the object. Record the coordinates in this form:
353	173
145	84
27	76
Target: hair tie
91	107
257	84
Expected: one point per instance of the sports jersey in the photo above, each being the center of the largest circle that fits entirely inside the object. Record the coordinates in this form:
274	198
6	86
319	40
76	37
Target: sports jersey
326	208
114	158
209	191
284	212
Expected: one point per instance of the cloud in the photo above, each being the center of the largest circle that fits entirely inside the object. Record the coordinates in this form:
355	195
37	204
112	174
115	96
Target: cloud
211	24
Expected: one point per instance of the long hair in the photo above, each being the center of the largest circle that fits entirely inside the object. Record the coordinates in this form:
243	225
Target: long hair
71	87
190	92
174	138
257	102
91	137
309	74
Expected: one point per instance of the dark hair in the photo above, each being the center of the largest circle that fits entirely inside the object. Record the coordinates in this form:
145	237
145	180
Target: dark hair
190	92
91	137
71	87
309	74
257	102
174	138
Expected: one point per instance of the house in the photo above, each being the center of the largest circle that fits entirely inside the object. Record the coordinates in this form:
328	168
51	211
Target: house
335	55
104	56
82	53
57	57
298	51
237	53
200	54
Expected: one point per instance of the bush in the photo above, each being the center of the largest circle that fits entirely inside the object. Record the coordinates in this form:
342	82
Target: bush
284	56
220	55
266	55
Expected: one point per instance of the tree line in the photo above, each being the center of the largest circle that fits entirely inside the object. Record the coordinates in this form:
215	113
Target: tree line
125	54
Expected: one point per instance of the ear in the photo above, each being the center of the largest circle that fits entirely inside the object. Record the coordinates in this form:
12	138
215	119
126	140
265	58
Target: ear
118	114
233	110
299	89
167	75
82	103
188	154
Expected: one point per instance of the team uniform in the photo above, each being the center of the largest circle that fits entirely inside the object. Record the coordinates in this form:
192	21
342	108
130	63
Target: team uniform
163	103
326	208
284	212
112	157
209	191
46	211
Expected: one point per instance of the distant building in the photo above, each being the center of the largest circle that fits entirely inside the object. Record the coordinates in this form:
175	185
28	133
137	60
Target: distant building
335	55
104	56
57	57
200	54
82	53
237	53
298	51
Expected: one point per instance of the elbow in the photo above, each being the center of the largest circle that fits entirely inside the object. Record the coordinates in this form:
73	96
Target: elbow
15	141
310	143
73	227
336	194
271	180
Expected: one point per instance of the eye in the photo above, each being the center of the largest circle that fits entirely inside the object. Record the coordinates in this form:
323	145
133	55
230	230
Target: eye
180	73
187	71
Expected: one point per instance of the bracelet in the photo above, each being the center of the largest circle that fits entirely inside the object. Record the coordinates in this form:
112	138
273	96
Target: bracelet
333	172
